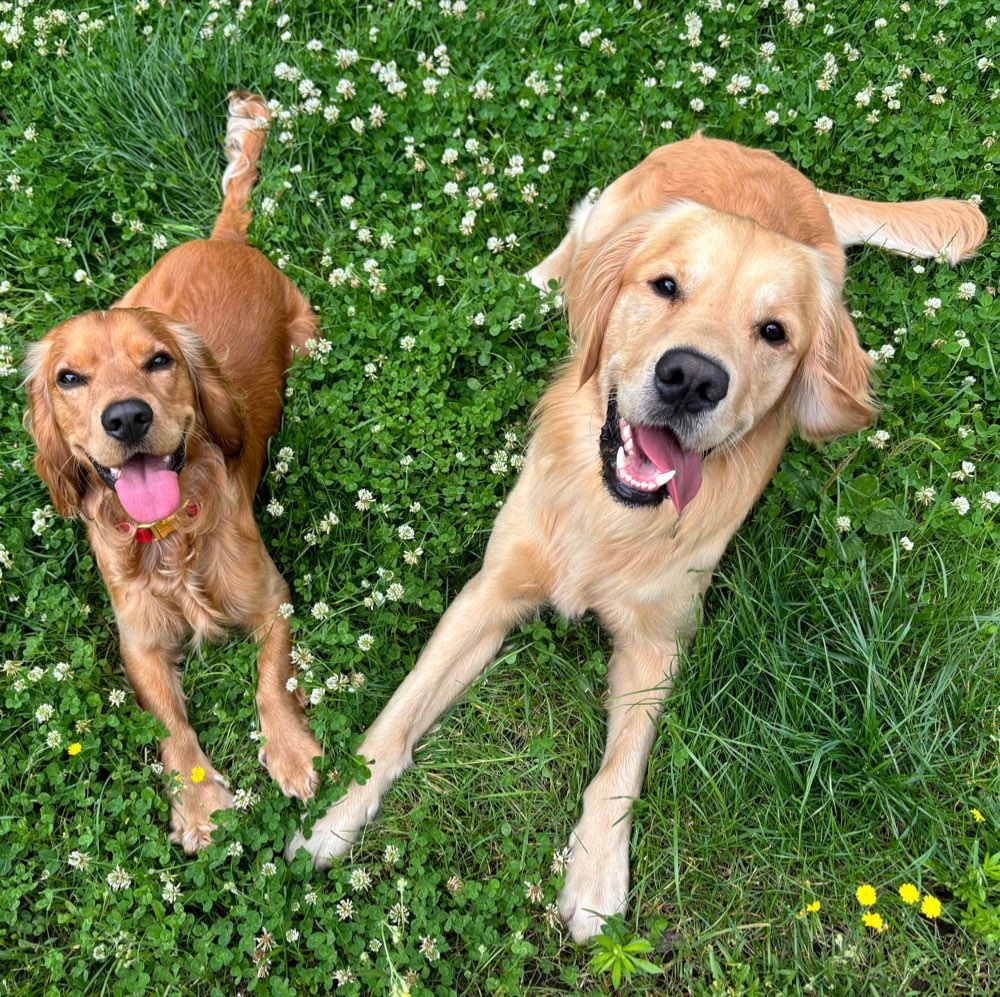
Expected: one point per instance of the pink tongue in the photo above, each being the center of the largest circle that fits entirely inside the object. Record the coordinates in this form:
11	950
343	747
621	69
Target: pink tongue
664	451
147	489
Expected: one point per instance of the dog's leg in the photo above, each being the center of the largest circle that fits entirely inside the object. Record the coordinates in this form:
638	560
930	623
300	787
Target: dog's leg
912	228
556	265
467	638
597	878
289	747
199	790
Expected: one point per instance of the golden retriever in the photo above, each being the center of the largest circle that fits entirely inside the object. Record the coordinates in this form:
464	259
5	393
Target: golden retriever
151	422
703	291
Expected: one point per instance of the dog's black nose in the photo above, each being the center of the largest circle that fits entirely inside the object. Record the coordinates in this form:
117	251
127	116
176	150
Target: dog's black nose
689	382
128	421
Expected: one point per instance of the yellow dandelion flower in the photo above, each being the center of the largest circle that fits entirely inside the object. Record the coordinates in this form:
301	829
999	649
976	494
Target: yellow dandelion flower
931	907
813	907
866	895
197	774
873	920
909	893
75	748
977	816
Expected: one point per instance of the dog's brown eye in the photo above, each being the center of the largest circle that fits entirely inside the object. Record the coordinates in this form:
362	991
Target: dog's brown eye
69	379
160	361
666	287
773	332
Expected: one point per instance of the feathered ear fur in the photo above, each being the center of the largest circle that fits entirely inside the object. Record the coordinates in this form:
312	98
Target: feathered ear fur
219	409
592	286
831	395
54	462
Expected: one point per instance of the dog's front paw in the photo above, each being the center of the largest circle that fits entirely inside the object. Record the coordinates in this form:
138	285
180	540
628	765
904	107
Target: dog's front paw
334	834
596	885
192	808
288	756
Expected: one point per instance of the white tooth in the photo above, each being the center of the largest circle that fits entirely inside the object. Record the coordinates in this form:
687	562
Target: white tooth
626	431
629	446
168	458
620	462
663	477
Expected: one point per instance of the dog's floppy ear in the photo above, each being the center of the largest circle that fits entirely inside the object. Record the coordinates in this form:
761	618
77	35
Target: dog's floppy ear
54	462
219	409
830	396
592	285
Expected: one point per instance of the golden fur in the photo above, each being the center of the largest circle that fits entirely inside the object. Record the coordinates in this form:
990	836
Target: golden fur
228	322
750	242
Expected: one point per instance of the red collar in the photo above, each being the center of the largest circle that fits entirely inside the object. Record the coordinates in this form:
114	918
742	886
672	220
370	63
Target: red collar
148	532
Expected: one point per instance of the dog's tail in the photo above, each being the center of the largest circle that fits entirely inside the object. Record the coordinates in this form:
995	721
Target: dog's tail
925	229
246	131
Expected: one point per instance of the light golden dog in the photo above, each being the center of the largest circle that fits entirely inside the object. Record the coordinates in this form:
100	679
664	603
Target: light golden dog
151	422
704	296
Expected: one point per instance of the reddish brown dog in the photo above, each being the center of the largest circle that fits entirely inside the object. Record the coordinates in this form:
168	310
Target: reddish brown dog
152	421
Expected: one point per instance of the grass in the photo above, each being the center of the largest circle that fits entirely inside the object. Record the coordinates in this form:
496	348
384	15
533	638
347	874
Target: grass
835	722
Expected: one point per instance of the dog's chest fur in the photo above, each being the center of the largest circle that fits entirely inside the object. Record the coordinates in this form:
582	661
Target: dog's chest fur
175	586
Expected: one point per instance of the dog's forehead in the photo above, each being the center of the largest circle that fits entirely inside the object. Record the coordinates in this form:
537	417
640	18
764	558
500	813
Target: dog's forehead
110	338
705	243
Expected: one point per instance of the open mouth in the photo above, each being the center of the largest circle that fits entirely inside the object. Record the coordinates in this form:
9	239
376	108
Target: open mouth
641	465
147	486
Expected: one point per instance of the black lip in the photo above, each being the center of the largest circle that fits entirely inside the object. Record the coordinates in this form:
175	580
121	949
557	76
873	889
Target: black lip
104	473
609	442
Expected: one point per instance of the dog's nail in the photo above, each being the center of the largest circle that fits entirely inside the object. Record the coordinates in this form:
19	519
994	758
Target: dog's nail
663	477
621	457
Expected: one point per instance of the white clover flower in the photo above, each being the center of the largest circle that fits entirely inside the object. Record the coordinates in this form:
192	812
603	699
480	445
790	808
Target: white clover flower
116	697
482	90
823	124
119	879
44	713
292	684
989	500
275	508
366	642
879	439
320	611
966	291
244	800
360	880
268	869
960	505
931	305
771	118
843	524
906	543
697	104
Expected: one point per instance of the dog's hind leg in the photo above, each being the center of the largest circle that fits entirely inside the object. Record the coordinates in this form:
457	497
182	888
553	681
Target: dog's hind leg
466	640
923	229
